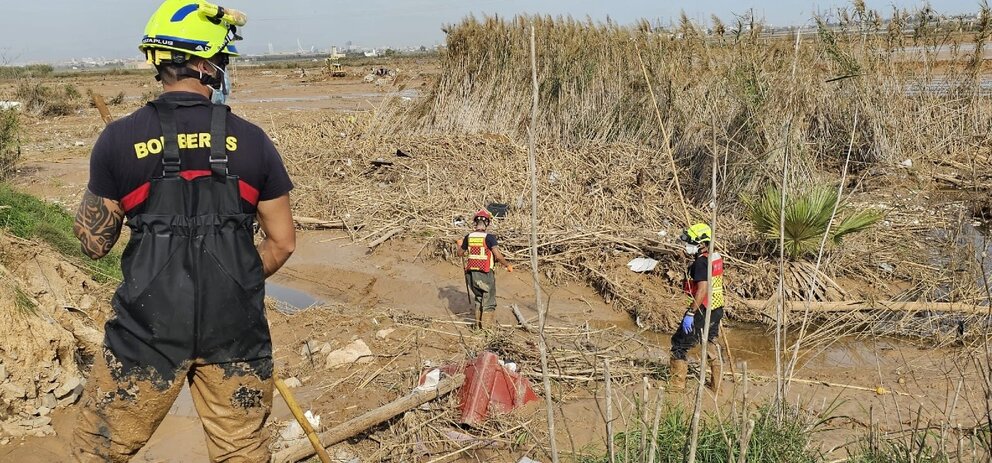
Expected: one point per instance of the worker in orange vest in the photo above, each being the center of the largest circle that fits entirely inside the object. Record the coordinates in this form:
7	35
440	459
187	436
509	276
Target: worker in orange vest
483	252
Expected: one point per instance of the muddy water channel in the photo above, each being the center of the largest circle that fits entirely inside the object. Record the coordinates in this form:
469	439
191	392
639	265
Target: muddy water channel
753	344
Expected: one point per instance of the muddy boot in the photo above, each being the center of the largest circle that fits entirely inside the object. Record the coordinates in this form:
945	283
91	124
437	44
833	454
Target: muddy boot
489	320
678	370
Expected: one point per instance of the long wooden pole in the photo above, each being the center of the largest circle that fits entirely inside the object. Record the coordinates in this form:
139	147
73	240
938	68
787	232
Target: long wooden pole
542	311
780	313
698	406
610	446
368	419
287	395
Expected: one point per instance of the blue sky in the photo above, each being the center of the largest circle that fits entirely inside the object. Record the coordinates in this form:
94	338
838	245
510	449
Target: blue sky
57	30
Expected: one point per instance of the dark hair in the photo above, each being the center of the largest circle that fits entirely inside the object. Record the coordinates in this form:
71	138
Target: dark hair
168	71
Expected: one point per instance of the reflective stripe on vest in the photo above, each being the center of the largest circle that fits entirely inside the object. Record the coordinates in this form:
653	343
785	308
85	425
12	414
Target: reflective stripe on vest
690	286
480	257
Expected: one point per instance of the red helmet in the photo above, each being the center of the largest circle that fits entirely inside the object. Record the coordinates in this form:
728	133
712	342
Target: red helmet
484	215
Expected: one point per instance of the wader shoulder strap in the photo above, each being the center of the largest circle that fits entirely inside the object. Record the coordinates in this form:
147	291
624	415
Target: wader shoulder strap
218	140
218	136
170	152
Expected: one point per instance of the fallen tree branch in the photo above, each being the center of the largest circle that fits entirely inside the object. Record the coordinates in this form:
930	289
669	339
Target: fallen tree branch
520	318
319	223
854	306
385	237
369	419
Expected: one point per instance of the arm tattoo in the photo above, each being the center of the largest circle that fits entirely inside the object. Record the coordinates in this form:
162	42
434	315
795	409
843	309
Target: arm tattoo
98	225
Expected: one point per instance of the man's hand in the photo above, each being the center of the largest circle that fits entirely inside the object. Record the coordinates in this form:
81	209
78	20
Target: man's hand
98	224
276	219
509	268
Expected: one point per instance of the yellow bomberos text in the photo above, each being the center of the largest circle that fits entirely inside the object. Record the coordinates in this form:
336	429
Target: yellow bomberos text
186	141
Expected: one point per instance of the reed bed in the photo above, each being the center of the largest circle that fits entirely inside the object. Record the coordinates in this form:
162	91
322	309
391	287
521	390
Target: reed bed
418	169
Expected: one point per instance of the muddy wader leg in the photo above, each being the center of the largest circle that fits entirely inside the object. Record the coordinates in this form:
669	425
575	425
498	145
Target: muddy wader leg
119	415
476	296
678	365
486	282
233	401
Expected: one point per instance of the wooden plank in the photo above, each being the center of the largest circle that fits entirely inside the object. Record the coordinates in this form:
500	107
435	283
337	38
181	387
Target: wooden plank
319	223
385	237
369	419
853	306
302	419
101	105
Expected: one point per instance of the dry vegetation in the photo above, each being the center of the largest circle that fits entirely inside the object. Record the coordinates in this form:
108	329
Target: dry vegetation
606	180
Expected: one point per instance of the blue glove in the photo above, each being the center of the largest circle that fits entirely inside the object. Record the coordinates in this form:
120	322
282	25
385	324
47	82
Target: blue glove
687	323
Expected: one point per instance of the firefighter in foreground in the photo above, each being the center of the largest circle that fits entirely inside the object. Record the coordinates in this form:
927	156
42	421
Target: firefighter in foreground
483	252
697	240
190	177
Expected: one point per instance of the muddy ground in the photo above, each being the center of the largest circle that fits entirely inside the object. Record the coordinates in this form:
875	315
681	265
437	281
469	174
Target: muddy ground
359	293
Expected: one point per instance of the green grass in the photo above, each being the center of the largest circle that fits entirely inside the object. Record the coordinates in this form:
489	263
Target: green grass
23	302
771	440
27	217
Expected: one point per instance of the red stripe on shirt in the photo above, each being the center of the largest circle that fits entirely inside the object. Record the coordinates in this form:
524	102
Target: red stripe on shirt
136	197
248	192
139	195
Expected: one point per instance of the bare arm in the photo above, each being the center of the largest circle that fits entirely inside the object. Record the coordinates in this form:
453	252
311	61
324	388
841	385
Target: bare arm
697	299
459	250
276	219
98	224
499	257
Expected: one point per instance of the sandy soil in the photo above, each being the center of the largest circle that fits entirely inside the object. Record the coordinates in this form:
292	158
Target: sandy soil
363	292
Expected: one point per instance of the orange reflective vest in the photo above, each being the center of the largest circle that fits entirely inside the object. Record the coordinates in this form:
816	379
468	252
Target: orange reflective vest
689	286
480	257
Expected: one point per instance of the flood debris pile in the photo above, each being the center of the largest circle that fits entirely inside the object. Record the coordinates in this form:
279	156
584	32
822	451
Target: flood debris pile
412	352
48	309
630	121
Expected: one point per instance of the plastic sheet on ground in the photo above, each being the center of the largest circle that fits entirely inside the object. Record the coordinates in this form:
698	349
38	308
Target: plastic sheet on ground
642	264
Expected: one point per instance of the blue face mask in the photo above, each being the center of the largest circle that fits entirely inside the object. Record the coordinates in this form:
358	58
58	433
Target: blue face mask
219	96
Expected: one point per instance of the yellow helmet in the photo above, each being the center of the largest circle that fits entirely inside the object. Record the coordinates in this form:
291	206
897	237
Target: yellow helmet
697	234
183	28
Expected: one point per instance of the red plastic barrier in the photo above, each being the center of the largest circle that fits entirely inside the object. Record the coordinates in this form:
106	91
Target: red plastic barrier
489	387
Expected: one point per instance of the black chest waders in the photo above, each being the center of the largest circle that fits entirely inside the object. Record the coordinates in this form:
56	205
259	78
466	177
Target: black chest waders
193	284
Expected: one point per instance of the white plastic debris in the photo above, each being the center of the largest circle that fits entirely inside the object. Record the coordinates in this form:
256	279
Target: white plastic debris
512	366
431	380
10	104
663	233
356	352
642	264
527	460
294	431
907	163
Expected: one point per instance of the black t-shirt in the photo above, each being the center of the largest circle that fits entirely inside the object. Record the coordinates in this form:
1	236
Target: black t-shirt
129	153
490	241
699	269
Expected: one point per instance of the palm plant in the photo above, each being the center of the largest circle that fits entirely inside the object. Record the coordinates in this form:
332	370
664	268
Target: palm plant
807	215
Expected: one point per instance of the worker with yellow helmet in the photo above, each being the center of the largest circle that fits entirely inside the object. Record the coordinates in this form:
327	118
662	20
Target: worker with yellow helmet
190	178
697	240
